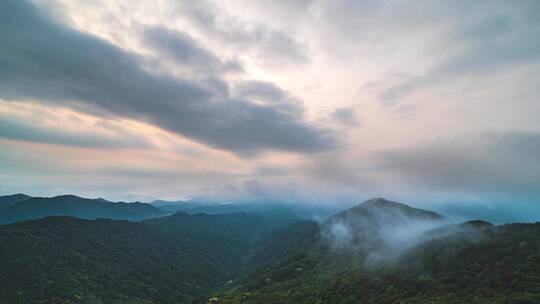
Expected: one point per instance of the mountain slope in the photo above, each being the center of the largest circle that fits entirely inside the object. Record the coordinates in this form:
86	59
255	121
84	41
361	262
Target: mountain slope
74	260
380	228
383	211
475	262
171	260
498	267
233	226
233	236
70	205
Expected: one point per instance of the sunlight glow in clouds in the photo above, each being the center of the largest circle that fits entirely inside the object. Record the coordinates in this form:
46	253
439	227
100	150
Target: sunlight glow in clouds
416	100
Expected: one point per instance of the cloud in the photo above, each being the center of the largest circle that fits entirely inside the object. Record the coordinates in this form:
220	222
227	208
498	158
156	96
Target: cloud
382	234
271	47
184	50
346	116
485	38
490	175
43	60
18	129
491	165
269	94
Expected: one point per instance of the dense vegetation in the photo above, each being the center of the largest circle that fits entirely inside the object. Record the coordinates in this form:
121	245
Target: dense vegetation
377	252
169	260
468	265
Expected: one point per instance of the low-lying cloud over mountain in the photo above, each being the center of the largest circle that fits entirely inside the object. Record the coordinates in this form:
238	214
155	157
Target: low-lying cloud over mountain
379	228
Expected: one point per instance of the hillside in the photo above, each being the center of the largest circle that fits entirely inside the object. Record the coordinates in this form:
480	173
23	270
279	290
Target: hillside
232	226
475	262
232	236
71	205
170	260
379	228
72	261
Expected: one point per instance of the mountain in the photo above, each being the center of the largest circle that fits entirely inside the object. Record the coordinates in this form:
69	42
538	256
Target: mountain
68	260
278	213
172	206
214	208
380	227
231	235
159	203
378	213
9	200
376	252
380	209
473	262
173	259
70	205
195	205
232	226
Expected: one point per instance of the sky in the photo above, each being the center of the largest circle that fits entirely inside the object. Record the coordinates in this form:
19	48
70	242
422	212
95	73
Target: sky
434	103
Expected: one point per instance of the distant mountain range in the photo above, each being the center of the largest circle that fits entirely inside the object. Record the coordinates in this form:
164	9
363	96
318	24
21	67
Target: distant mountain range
275	211
9	200
21	207
376	252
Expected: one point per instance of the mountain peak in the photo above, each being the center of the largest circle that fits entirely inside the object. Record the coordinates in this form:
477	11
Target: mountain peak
17	195
382	203
67	196
379	201
376	199
477	224
381	208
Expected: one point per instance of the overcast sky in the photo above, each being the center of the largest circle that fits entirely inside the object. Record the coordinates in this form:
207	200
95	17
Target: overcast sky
305	101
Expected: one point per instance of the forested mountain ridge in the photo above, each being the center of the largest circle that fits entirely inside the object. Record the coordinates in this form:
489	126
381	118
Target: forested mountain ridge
71	205
498	267
242	227
377	252
10	200
70	260
474	262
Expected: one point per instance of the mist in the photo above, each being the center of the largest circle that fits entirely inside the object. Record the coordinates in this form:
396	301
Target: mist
380	230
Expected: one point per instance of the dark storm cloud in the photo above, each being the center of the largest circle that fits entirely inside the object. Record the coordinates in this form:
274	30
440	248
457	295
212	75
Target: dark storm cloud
184	50
46	61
